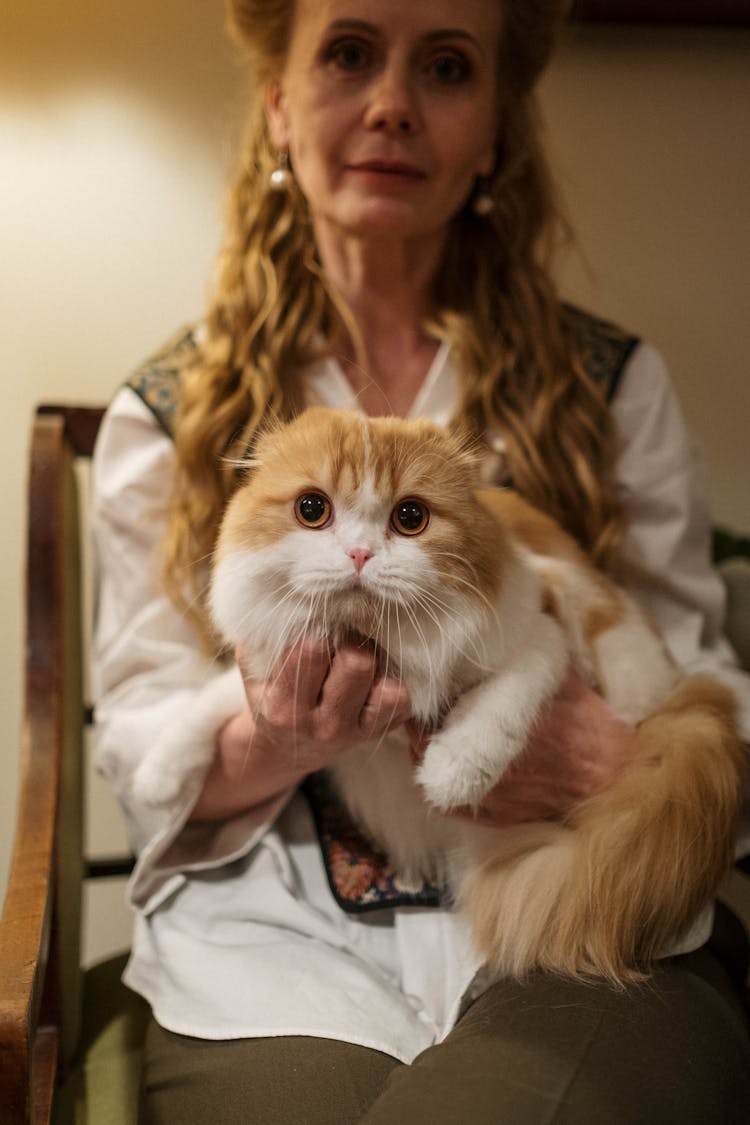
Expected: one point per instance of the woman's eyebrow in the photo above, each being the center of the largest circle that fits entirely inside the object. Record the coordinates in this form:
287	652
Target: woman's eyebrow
437	35
453	33
351	25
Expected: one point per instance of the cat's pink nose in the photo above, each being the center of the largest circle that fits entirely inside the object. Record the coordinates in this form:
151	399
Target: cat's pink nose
359	556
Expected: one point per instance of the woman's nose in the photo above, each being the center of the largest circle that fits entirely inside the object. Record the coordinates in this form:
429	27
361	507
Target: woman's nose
392	106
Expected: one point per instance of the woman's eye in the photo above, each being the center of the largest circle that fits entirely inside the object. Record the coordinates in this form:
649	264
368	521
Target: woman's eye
410	517
349	54
449	68
312	509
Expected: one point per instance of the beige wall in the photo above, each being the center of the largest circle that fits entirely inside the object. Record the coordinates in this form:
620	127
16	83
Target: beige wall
650	134
116	126
116	123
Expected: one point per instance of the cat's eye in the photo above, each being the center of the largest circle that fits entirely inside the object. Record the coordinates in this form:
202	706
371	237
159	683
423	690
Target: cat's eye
312	509
410	517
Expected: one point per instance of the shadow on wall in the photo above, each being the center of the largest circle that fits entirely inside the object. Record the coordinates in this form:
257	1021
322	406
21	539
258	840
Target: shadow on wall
173	52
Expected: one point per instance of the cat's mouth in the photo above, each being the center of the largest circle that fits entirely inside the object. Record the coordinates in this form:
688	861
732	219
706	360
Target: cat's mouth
356	611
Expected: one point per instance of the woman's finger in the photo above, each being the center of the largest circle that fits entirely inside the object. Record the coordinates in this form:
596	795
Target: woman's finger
300	674
388	705
346	689
293	689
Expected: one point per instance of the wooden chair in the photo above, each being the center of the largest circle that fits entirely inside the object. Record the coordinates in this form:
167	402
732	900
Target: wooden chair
70	1042
53	1018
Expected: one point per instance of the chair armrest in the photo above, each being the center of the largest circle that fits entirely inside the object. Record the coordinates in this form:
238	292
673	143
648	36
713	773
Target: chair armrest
29	955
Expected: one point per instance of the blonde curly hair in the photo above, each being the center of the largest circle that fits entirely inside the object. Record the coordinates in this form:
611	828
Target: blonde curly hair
273	314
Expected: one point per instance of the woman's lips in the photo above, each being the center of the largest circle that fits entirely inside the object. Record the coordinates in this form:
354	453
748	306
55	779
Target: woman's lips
387	168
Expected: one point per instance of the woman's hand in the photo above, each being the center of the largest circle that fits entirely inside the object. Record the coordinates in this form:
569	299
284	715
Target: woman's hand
319	702
576	749
316	704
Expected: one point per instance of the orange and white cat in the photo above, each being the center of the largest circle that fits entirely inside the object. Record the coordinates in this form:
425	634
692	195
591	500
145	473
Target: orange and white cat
375	527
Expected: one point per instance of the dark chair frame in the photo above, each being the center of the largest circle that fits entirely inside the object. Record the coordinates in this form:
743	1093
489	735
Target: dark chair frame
39	986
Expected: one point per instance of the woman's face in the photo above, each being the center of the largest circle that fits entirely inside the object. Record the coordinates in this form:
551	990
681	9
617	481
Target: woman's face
388	109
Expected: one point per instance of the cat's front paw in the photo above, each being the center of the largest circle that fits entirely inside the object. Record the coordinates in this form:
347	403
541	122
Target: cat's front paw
449	780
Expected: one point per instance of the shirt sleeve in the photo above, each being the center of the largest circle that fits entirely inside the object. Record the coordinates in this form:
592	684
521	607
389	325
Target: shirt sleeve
667	546
147	660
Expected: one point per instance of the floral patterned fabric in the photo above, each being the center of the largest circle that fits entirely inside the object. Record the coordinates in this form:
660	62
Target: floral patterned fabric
360	877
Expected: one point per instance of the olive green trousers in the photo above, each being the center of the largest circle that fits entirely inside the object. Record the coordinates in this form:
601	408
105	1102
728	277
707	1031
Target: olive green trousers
671	1051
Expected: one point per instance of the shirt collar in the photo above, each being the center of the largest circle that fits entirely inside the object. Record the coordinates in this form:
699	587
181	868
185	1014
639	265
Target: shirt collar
437	398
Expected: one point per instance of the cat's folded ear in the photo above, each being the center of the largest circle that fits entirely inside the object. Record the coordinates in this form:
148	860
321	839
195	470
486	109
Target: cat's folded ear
315	427
263	441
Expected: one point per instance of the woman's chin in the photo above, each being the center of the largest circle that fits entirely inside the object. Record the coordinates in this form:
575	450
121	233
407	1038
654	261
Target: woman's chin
384	217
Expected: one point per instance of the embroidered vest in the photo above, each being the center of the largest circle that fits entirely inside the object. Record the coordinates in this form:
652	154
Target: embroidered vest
360	877
604	347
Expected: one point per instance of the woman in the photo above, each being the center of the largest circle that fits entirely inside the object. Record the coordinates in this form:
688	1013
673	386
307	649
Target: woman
386	250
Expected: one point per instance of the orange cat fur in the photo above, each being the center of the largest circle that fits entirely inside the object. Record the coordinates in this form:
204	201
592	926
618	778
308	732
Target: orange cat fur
374	527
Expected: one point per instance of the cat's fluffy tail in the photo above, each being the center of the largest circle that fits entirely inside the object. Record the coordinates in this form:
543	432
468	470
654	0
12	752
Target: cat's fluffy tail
609	891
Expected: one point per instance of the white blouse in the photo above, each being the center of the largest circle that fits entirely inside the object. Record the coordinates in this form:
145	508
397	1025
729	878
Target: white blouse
237	933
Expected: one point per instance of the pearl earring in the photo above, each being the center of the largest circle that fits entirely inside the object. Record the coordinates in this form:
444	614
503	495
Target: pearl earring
281	176
483	204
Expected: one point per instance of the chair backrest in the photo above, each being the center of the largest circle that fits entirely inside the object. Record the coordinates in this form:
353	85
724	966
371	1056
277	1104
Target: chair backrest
40	928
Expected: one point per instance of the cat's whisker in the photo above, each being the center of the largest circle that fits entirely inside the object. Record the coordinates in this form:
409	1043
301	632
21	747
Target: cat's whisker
429	662
285	635
460	632
326	629
278	664
278	659
473	590
472	586
289	591
427	601
464	563
427	655
383	614
198	598
387	662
